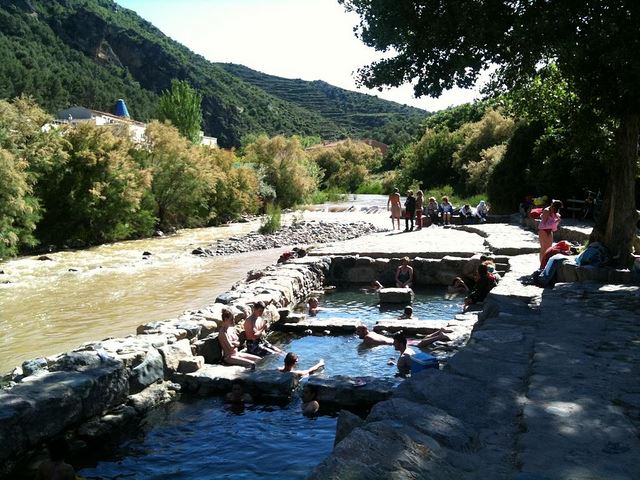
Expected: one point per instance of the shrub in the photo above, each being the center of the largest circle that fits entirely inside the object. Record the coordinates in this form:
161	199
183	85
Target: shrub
271	222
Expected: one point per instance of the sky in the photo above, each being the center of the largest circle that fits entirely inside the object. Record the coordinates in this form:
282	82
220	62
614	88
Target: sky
306	39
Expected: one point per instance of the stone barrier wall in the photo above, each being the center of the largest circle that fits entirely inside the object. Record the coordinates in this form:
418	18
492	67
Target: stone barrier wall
92	391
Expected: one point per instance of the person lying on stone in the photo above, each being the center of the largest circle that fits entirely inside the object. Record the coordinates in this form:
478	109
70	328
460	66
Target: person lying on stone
372	339
404	360
255	328
439	336
237	394
291	360
310	405
229	342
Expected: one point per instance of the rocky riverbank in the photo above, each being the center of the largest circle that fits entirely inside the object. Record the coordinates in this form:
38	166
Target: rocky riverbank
302	233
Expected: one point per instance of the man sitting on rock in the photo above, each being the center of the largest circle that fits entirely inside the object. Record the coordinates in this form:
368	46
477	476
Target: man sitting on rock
255	329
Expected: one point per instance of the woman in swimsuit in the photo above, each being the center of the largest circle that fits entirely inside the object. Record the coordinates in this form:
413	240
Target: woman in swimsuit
549	221
404	274
396	208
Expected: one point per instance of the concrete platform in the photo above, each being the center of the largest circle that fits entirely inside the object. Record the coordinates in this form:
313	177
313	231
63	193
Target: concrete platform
335	326
431	242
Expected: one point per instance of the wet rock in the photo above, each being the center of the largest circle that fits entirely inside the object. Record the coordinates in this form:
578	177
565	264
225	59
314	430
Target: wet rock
173	353
76	361
209	348
45	258
410	327
353	393
146	254
189	365
347	422
271	384
152	396
149	371
337	326
438	424
34	365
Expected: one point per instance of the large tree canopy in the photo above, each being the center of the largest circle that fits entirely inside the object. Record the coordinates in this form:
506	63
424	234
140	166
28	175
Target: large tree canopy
437	44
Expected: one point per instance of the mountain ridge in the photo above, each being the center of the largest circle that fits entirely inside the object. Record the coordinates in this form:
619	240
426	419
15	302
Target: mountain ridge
45	44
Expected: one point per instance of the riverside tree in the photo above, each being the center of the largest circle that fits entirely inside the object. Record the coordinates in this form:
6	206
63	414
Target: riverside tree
437	45
182	106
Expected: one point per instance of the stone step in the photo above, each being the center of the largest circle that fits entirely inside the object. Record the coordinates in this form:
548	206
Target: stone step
357	393
334	326
217	380
410	327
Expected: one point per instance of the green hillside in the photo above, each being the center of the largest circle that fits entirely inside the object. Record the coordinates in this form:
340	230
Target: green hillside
91	52
351	110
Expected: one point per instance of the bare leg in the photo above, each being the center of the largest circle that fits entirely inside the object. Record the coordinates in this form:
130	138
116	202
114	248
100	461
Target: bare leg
237	359
434	337
546	240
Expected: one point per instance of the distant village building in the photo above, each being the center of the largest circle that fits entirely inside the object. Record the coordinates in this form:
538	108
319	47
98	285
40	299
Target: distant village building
119	119
368	141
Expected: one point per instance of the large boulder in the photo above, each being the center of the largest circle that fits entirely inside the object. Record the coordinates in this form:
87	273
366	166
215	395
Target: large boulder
396	295
209	348
173	353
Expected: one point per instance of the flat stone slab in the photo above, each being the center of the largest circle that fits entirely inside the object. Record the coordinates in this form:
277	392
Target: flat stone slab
359	393
431	242
396	295
335	326
410	327
217	380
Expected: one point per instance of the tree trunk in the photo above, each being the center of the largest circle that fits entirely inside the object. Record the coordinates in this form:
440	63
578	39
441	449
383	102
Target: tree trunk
616	225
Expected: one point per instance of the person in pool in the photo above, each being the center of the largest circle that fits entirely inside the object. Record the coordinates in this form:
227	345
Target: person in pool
372	339
404	274
291	360
407	314
237	394
404	360
310	405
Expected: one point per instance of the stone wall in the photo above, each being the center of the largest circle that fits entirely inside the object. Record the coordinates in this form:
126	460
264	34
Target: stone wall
364	270
102	386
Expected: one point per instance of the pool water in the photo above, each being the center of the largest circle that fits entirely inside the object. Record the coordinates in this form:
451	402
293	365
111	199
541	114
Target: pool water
207	439
345	355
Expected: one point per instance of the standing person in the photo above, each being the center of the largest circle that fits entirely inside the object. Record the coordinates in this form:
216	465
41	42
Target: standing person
447	210
419	209
404	361
396	208
549	221
255	329
229	342
410	211
432	210
404	274
482	210
55	468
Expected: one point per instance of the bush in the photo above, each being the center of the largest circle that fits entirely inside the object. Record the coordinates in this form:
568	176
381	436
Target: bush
373	187
328	195
271	222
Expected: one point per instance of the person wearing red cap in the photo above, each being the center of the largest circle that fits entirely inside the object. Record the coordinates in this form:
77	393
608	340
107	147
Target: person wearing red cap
562	247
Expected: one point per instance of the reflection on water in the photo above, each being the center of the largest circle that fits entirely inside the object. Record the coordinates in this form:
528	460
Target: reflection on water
205	439
53	306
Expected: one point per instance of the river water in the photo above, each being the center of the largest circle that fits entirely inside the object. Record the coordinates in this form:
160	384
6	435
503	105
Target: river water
52	306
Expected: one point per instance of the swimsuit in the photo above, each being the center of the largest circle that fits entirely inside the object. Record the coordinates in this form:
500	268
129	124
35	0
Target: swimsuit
403	277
